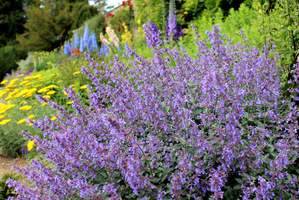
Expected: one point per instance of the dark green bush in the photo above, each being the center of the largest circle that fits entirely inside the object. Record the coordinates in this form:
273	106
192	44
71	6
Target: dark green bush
9	56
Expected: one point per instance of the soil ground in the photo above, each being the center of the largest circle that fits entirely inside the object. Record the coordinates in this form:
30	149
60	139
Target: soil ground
6	163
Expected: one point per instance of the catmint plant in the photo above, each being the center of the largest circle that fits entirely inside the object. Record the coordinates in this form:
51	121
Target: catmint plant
173	126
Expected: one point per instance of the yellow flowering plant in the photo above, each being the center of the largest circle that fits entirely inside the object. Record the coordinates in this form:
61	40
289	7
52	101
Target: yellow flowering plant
18	103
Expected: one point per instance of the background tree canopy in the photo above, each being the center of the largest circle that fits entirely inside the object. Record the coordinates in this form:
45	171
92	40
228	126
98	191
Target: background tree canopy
12	18
49	23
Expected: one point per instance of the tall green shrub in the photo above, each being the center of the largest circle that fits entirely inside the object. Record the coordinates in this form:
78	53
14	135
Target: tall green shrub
9	56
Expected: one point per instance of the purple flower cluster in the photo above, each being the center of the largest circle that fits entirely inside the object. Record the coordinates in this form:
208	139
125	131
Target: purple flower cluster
211	124
173	29
152	34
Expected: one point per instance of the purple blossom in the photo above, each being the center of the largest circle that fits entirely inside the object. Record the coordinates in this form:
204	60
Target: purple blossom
152	34
173	29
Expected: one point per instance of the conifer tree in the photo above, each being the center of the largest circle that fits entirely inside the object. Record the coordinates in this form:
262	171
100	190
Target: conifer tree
49	23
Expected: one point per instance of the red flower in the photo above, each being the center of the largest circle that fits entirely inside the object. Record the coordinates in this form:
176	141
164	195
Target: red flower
77	51
129	3
111	15
119	29
124	3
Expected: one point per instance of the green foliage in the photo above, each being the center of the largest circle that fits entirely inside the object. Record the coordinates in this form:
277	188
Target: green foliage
187	10
6	192
9	56
11	139
262	24
11	20
96	24
280	26
151	10
85	13
44	60
48	24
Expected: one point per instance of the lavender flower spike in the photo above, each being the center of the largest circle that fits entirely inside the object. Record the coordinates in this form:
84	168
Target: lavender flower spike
171	19
152	34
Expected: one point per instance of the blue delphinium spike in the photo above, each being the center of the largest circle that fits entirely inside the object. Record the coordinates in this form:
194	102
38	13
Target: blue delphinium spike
93	42
73	45
106	50
81	45
86	35
77	40
67	48
101	51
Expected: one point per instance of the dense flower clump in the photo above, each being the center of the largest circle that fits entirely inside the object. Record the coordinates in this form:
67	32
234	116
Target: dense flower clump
172	127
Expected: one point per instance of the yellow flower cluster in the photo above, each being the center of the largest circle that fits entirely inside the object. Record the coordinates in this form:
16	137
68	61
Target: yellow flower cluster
4	107
30	145
127	36
18	90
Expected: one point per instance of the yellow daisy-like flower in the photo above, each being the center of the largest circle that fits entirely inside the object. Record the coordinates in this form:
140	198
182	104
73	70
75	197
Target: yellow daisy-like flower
5	121
38	85
52	86
30	145
28	95
13	81
5	81
3	92
65	93
31	116
51	92
138	21
23	82
2	116
53	118
11	86
83	87
77	72
43	90
20	75
21	121
28	78
70	102
45	103
53	75
47	96
25	107
30	83
22	102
